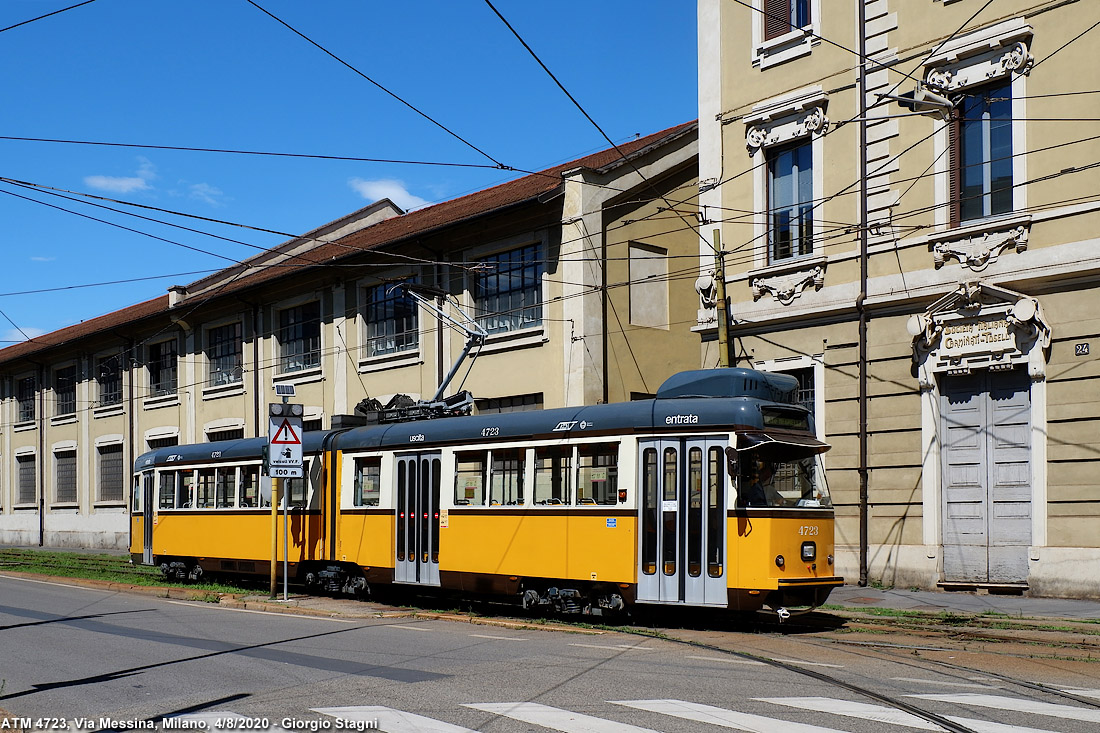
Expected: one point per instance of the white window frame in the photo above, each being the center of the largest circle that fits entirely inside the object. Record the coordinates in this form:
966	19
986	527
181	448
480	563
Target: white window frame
792	45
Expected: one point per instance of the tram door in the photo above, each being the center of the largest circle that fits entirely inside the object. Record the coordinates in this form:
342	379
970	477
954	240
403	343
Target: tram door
148	507
682	516
417	486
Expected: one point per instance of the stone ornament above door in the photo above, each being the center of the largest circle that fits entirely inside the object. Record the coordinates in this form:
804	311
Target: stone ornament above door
977	246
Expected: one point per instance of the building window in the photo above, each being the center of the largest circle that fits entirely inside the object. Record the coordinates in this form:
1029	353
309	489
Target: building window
508	292
163	365
65	477
981	153
25	393
515	403
110	472
28	479
790	202
224	354
213	436
300	337
64	385
648	285
312	425
155	443
391	318
784	16
108	377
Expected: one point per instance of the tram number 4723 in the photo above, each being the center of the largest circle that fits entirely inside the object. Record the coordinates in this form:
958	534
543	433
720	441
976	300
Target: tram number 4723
808	530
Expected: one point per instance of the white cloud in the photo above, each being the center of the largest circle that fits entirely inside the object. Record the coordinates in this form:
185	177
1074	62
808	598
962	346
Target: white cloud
126	184
13	334
206	193
43	259
116	184
387	188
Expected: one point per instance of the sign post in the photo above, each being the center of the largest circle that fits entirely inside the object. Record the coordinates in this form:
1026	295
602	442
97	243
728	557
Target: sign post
284	460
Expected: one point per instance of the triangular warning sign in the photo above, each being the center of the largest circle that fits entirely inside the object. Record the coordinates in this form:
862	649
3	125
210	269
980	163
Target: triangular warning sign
285	435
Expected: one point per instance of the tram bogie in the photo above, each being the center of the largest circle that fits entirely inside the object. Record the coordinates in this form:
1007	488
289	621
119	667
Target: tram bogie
709	495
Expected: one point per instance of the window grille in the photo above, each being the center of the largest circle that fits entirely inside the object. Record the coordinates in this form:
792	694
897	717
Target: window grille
110	472
224	354
300	337
65	390
26	391
109	379
65	468
508	293
28	479
163	366
391	318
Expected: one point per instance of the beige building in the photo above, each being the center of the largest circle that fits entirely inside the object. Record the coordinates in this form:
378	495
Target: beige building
914	235
580	274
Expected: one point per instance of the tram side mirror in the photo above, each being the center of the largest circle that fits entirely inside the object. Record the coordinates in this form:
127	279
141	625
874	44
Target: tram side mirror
731	462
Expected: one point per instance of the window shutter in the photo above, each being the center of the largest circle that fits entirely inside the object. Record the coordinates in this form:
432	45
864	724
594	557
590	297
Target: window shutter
954	165
777	14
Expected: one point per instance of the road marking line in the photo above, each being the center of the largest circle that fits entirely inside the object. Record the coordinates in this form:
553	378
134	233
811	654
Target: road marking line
944	683
730	660
1000	702
987	726
1084	693
403	626
216	607
501	638
556	718
808	664
617	647
721	716
852	709
392	720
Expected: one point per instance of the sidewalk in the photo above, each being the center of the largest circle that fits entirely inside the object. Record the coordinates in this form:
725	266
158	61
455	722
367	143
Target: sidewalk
851	597
856	598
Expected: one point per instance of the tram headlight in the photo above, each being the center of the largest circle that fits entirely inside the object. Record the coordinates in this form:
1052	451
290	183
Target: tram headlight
779	561
809	551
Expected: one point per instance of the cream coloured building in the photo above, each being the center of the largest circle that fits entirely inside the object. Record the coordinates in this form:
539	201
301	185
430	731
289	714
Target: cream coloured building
907	198
580	274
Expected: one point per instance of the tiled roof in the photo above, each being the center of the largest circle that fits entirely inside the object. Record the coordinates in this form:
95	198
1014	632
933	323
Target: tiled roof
388	231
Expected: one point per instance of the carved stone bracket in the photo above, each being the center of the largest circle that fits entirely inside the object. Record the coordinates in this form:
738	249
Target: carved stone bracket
977	250
767	134
787	286
1004	61
707	289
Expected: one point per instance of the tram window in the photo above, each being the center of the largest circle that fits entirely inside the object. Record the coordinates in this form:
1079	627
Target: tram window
368	487
205	494
470	478
136	495
716	513
598	473
250	486
506	484
553	472
296	490
650	503
185	490
226	493
695	512
167	490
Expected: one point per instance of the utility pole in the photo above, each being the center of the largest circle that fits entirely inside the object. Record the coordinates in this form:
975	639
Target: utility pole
720	305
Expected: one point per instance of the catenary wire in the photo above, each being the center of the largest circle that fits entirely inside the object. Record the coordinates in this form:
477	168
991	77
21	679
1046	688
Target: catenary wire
47	15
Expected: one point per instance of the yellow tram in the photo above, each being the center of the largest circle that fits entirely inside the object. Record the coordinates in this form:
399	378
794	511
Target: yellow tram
709	495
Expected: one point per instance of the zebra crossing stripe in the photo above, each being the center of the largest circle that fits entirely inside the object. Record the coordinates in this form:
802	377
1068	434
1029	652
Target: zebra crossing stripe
556	718
721	716
987	726
729	660
1084	693
1000	702
852	709
388	719
944	683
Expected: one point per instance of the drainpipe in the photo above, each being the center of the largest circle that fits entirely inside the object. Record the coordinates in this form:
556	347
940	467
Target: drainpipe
861	301
41	467
128	460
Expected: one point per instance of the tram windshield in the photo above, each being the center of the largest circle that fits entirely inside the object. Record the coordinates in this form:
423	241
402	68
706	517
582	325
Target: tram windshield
764	483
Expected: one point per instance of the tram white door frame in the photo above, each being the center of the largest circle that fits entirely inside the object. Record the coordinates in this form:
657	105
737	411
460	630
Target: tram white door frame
148	509
682	521
417	486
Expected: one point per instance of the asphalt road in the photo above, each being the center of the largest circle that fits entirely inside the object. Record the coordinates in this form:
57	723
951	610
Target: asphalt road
77	659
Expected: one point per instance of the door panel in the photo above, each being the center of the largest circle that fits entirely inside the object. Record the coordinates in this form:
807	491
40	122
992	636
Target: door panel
682	513
986	463
417	517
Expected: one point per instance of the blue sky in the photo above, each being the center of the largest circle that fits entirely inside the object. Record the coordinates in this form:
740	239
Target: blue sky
223	74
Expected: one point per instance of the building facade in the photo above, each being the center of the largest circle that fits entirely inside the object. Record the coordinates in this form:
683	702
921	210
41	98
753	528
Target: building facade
907	200
579	274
